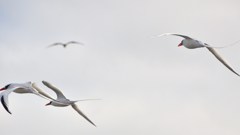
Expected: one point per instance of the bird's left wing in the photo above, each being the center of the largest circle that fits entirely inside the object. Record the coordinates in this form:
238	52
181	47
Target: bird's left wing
39	91
75	107
214	52
74	42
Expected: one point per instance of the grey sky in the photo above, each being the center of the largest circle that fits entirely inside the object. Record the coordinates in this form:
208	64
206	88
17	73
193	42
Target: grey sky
148	85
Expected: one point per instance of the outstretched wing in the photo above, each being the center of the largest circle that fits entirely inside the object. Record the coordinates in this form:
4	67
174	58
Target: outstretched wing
56	90
4	100
175	34
85	100
40	92
74	42
55	44
214	52
75	107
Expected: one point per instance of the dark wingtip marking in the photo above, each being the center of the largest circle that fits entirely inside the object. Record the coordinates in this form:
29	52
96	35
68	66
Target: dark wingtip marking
5	105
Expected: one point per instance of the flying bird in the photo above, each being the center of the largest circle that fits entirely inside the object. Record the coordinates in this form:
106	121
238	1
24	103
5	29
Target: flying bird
66	44
62	101
20	88
191	43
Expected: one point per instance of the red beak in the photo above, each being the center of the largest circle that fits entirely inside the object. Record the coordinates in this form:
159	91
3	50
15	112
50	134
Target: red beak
48	104
2	89
180	44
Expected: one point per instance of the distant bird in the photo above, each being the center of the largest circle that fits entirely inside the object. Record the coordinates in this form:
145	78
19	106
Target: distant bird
65	44
191	43
20	88
62	101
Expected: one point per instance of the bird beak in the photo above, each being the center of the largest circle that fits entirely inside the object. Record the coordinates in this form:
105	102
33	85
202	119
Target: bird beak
2	89
180	44
48	104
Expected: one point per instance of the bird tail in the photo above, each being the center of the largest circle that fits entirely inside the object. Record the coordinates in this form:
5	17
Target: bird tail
221	47
85	100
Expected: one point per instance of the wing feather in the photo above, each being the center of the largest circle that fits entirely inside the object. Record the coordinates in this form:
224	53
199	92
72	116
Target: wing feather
4	101
214	52
175	34
60	95
41	92
75	107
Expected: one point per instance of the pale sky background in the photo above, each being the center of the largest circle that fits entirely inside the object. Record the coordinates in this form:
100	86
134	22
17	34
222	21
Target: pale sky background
149	86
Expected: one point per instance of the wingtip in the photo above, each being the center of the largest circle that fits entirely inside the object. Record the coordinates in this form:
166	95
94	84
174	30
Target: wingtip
164	34
44	82
93	124
161	35
5	105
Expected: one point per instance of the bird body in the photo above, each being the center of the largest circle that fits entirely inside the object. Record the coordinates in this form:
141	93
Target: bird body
192	44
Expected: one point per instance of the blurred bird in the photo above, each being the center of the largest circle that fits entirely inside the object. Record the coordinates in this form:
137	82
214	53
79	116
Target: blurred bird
191	43
65	44
62	101
20	88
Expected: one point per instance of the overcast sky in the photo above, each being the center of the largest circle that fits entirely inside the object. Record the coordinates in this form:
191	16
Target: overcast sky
147	85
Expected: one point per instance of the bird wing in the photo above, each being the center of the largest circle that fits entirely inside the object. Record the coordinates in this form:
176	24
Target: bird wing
56	90
214	52
55	44
44	95
175	34
75	107
85	100
74	42
4	99
41	92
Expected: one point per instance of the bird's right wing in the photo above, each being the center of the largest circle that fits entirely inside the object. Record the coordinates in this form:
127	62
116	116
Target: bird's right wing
56	90
214	52
75	107
175	34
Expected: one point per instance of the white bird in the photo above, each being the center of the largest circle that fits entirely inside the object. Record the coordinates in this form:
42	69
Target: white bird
191	43
20	88
65	44
62	101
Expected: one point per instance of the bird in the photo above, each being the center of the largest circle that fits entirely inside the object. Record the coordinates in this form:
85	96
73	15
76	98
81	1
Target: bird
65	44
62	101
20	88
192	43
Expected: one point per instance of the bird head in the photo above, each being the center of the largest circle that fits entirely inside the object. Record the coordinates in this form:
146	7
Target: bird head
49	103
181	44
5	87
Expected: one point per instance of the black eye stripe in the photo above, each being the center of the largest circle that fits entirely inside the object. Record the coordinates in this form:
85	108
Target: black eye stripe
6	87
